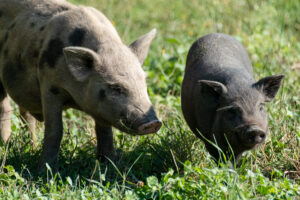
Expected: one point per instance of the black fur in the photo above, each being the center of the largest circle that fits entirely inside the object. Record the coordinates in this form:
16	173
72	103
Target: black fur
77	36
52	53
11	71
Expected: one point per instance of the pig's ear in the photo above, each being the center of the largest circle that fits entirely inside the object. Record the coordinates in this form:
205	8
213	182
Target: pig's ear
213	88
269	86
80	61
141	46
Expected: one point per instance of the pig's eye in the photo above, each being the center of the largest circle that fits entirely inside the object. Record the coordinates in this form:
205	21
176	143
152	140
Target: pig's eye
116	89
261	107
234	112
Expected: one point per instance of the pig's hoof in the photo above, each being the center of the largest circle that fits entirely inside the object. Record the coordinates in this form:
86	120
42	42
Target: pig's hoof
45	168
107	158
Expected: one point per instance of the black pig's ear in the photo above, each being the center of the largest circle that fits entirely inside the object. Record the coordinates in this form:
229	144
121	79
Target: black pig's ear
212	87
269	86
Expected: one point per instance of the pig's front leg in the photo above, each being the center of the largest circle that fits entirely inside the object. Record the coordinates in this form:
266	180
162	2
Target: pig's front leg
52	111
105	144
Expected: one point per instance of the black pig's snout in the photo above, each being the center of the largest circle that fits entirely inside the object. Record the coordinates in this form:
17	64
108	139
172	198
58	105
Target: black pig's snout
255	136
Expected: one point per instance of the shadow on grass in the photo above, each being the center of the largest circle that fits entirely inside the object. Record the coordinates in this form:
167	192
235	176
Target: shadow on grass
149	157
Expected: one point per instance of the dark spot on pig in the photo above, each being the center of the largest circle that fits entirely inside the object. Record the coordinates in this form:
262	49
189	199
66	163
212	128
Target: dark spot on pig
76	37
52	53
10	74
32	24
54	90
42	28
102	94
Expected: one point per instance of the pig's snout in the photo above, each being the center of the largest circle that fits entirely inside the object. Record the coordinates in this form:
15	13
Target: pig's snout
255	136
149	127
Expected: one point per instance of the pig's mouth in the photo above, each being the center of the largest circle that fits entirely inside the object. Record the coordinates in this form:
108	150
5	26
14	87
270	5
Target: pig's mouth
141	129
250	137
149	127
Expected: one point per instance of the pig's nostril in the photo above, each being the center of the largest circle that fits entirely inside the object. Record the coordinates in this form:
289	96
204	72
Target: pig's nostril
256	136
150	127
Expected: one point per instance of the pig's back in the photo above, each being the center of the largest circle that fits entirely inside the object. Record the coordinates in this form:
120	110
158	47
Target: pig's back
216	55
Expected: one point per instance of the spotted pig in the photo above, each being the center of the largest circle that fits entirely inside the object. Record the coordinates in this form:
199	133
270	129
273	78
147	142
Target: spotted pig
55	55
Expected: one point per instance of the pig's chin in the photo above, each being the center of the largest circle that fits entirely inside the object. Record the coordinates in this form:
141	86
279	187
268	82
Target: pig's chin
244	143
128	130
143	129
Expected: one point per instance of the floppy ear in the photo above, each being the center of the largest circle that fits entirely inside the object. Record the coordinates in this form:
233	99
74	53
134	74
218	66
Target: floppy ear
213	88
206	95
269	86
80	61
141	46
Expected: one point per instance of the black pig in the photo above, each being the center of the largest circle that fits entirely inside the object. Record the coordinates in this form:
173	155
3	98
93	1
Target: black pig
221	101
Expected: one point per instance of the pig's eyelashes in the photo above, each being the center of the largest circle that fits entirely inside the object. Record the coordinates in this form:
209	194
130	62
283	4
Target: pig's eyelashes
224	108
116	89
234	112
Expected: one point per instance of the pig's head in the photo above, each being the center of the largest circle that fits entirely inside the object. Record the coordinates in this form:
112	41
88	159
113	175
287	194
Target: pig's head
240	117
113	84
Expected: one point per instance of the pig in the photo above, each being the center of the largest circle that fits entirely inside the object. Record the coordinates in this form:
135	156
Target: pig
55	55
221	102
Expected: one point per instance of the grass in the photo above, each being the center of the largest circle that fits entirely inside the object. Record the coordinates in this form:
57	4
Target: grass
174	164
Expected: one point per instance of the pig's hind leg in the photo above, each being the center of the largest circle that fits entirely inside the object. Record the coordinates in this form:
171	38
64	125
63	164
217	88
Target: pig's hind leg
5	113
30	122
